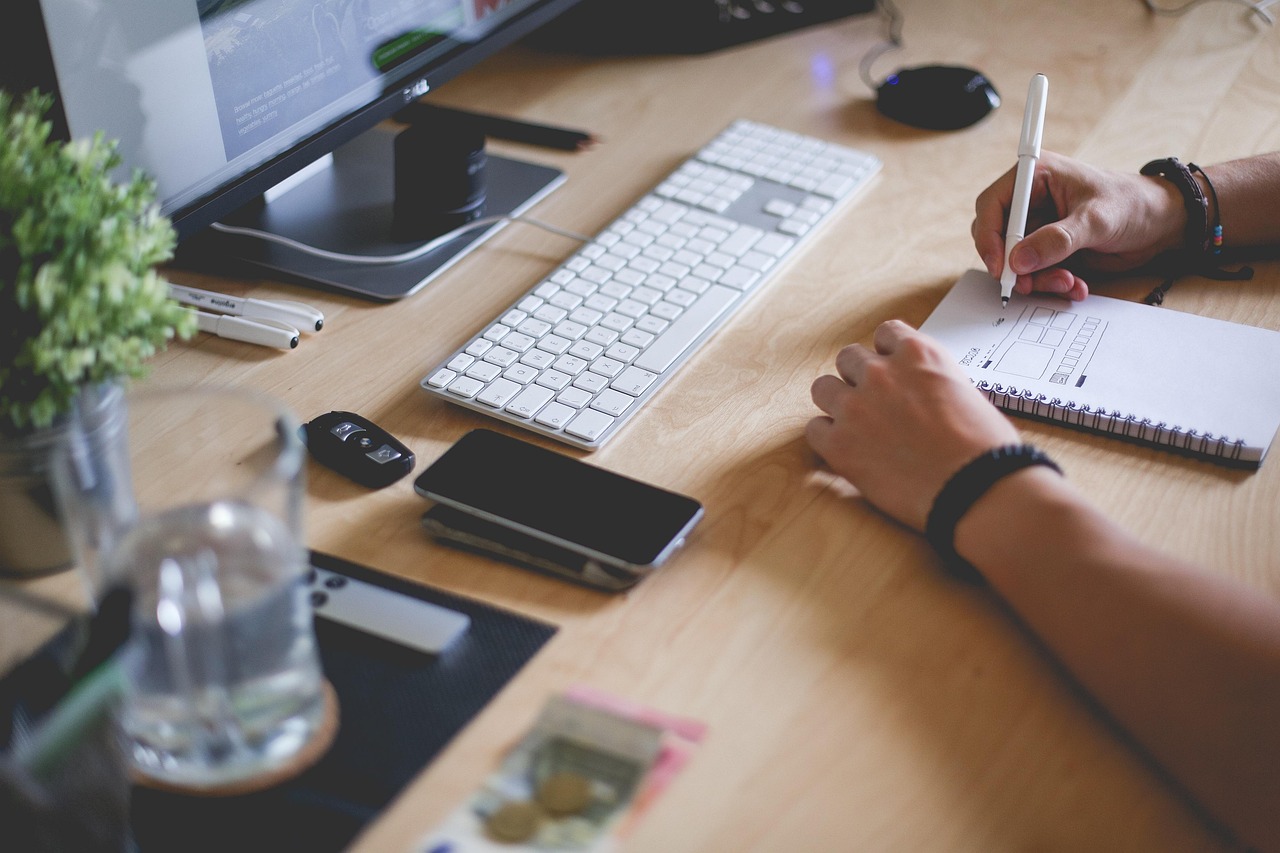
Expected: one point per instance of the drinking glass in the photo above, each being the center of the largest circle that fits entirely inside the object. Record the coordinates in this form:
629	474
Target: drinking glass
223	676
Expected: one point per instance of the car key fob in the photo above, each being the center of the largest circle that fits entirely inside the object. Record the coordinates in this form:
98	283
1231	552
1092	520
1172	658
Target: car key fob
357	448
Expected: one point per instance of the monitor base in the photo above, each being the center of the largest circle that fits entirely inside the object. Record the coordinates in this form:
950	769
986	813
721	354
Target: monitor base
347	208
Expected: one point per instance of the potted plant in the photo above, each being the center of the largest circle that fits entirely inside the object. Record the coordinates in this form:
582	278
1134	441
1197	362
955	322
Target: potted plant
81	308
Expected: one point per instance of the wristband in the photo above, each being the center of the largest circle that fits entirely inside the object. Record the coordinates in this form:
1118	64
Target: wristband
1202	242
1195	239
963	490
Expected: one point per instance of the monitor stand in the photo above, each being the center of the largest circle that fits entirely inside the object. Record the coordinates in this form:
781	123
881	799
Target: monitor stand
345	205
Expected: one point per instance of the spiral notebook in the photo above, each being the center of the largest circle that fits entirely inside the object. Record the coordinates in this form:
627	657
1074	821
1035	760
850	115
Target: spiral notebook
1154	375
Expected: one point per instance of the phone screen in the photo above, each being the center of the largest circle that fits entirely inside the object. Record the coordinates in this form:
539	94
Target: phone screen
559	498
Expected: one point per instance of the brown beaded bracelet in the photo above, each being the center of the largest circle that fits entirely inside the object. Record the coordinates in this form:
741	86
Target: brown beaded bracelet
1202	242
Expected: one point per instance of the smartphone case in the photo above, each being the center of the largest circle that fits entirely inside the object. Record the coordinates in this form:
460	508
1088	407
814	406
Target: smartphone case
461	529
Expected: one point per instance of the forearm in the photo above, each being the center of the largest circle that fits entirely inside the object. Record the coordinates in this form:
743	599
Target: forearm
1187	662
1248	193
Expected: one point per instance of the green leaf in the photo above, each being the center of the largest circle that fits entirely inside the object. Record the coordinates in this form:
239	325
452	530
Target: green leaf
80	298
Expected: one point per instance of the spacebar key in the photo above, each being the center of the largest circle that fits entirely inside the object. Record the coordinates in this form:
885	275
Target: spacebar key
700	316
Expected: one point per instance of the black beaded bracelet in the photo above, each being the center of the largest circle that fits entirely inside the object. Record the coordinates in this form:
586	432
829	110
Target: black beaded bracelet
964	488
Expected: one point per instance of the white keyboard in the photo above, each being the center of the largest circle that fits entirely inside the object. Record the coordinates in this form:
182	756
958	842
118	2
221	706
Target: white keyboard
578	355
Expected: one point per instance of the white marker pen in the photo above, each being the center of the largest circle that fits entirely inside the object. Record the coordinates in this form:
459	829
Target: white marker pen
260	331
293	313
1028	154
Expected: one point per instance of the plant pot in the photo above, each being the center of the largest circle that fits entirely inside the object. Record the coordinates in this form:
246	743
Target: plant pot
32	538
58	484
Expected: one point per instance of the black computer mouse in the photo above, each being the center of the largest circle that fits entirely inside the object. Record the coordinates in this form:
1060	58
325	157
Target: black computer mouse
937	97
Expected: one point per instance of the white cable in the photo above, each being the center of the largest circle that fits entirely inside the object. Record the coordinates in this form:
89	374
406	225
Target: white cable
1258	8
410	255
893	42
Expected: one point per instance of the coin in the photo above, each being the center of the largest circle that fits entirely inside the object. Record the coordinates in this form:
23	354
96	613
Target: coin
514	822
564	793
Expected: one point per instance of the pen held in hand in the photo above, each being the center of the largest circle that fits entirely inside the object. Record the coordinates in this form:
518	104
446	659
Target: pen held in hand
1028	154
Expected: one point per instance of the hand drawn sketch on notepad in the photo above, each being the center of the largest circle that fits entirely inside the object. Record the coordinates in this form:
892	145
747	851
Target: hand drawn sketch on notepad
1153	375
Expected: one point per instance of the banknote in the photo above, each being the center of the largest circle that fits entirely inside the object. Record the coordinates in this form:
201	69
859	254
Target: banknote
578	780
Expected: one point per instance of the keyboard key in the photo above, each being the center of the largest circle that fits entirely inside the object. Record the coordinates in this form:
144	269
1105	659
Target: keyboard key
498	392
441	378
501	356
570	330
522	373
554	415
585	350
540	359
612	402
529	401
606	367
741	240
554	379
465	386
517	342
573	396
740	277
672	343
633	381
550	314
570	364
622	352
485	371
592	383
640	339
554	344
589	424
600	335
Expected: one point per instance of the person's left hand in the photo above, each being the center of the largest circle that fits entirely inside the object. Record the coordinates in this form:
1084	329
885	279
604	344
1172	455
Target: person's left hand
901	420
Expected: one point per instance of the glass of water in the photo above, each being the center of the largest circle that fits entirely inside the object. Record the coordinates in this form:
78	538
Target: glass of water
223	674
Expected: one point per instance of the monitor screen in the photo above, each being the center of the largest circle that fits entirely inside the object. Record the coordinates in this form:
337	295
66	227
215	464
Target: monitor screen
219	100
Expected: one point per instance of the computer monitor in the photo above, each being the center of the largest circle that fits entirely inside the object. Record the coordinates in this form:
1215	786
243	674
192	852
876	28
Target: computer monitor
271	114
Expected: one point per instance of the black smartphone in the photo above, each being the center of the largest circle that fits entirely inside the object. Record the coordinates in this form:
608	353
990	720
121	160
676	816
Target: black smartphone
576	507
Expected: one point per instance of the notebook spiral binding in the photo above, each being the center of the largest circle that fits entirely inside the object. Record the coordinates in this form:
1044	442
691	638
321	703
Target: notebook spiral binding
1100	419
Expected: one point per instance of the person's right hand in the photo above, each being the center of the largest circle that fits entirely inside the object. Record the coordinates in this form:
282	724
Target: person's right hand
1081	218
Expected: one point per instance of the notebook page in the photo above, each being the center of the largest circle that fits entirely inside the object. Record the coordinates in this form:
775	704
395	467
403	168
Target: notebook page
1187	371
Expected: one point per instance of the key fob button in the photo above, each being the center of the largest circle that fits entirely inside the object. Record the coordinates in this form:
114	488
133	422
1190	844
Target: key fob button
384	454
345	430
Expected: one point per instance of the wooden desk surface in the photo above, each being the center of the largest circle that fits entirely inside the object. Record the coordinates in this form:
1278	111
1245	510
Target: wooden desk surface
856	699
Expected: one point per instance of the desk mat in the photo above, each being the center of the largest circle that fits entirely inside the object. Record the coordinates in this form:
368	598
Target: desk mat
398	708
